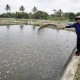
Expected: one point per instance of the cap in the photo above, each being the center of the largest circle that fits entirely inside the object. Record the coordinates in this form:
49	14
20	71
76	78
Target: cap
78	17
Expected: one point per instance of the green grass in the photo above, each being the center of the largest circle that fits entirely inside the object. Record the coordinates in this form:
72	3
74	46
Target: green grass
35	22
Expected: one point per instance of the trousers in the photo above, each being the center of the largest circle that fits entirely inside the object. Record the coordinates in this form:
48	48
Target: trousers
78	44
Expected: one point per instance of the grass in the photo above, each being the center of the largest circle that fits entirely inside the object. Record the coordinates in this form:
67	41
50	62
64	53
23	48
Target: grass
11	21
35	22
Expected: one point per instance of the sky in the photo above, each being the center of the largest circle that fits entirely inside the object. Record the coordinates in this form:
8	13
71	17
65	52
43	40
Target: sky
44	5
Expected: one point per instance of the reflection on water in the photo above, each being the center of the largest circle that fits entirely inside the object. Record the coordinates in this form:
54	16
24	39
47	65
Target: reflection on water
34	27
8	26
21	26
40	31
33	54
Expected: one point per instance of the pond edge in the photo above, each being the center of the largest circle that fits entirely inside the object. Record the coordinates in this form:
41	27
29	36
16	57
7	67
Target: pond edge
70	67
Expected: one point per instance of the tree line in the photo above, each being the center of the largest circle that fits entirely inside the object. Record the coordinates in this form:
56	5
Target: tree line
38	14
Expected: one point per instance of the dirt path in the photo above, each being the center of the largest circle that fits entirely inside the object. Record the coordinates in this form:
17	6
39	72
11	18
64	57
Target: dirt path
77	75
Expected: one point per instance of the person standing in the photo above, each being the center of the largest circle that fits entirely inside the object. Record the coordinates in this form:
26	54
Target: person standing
76	25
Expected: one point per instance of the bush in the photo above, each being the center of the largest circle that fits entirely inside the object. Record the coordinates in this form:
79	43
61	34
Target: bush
40	15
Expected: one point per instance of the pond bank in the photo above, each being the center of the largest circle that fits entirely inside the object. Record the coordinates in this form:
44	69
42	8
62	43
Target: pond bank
71	70
11	21
35	22
77	75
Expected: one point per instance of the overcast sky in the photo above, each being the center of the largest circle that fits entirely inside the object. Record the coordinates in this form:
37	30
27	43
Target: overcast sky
45	5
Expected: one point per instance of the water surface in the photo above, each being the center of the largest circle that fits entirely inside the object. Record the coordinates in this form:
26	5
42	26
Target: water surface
27	53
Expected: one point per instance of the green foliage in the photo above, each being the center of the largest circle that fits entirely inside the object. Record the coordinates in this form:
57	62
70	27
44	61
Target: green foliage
41	15
34	10
37	14
21	15
78	14
7	15
15	15
30	15
59	13
71	16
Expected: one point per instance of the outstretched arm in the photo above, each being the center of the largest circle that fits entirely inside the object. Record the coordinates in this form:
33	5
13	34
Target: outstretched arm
63	27
70	26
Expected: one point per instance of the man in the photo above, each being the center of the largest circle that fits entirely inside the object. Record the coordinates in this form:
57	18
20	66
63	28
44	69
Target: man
76	25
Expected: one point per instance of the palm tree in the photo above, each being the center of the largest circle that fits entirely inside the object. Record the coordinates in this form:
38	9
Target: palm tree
59	13
7	7
34	10
54	11
22	8
54	15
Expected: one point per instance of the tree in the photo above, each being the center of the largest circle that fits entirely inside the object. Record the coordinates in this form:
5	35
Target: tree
41	15
53	15
22	8
21	15
7	7
34	10
54	11
59	13
71	16
78	14
30	15
7	15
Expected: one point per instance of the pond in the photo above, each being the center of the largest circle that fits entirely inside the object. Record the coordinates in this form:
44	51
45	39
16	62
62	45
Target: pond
27	53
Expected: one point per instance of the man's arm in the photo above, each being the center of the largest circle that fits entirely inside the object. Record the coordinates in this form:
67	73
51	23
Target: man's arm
70	26
63	27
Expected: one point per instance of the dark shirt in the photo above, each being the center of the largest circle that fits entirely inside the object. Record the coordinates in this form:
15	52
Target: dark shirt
77	27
